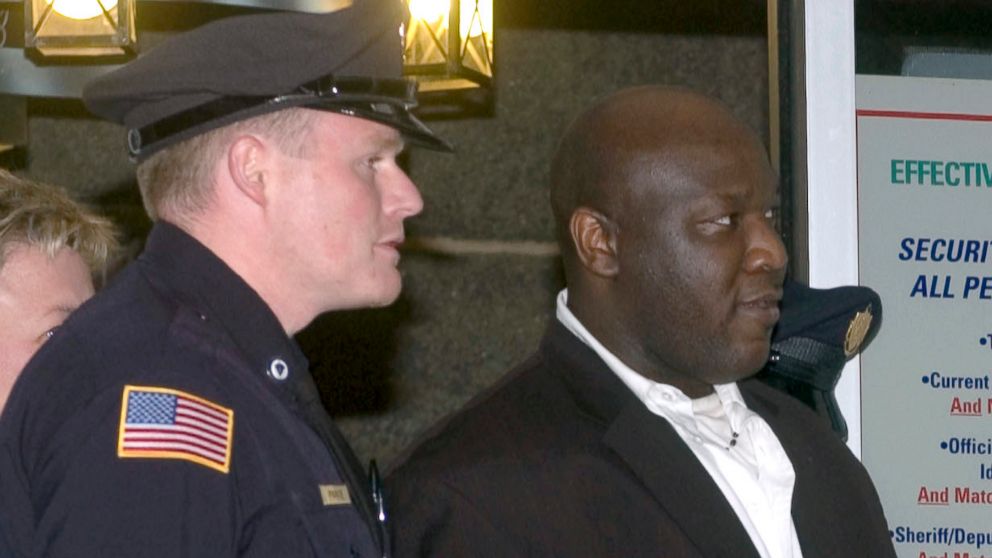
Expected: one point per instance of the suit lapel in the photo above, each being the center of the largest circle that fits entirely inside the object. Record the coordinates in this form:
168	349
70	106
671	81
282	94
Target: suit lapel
650	447
672	473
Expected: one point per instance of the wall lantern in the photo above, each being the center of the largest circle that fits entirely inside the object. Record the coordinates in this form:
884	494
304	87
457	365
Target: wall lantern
79	27
51	48
449	45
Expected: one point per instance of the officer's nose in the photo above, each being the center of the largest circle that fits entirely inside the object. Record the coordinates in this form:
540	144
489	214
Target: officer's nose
402	197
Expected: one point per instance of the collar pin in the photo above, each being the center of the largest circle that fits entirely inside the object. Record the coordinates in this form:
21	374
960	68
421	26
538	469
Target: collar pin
278	369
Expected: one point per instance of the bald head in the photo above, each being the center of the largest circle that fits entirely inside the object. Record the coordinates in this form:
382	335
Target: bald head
610	147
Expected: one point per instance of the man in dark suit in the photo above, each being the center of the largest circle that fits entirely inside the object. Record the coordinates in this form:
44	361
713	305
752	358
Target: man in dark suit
635	429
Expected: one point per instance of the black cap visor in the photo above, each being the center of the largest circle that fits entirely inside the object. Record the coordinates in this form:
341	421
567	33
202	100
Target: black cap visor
387	101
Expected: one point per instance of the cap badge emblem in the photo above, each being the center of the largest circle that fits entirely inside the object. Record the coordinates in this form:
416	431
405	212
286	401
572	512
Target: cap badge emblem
856	331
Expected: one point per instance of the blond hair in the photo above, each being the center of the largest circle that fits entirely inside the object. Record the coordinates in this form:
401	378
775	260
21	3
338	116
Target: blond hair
45	217
177	180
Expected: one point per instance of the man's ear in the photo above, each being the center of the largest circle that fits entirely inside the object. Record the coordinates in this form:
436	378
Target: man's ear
595	238
246	163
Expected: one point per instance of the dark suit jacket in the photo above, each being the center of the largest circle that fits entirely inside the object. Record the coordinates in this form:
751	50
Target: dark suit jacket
561	459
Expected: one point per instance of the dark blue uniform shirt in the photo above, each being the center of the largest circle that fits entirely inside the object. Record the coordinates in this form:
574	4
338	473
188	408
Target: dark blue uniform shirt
172	416
5	550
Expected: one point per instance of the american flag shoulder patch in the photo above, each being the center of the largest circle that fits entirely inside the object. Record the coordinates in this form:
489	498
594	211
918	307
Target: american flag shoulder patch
162	423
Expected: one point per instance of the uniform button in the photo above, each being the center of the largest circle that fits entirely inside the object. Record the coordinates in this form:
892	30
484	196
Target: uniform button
666	396
698	439
278	369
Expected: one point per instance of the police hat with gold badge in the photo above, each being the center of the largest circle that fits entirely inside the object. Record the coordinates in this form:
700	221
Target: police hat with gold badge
819	331
348	61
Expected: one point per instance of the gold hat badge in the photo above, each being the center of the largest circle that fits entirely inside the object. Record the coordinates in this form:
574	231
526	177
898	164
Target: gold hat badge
856	331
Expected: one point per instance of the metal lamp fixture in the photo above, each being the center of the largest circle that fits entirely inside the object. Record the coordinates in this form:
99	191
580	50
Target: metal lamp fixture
449	45
448	50
79	27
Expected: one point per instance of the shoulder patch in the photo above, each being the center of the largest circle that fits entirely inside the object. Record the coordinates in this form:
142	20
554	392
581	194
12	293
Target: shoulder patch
162	423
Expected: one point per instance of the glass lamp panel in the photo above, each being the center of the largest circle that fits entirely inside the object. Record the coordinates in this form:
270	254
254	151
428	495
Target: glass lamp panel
449	44
79	27
427	36
476	32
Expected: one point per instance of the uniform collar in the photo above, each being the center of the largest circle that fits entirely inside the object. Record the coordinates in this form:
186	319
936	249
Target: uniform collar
198	277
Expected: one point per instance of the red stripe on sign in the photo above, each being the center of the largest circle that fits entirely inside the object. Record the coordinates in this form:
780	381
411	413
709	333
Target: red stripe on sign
924	115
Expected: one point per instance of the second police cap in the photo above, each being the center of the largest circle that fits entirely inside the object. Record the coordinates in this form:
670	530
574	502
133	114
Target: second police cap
819	331
348	61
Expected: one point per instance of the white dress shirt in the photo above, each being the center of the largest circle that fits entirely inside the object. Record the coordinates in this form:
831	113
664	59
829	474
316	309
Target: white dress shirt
735	446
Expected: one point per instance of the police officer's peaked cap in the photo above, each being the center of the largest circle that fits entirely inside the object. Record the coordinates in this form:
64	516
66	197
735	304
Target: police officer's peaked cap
348	61
842	320
819	330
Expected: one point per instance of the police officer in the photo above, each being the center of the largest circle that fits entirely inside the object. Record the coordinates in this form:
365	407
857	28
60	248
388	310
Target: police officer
174	415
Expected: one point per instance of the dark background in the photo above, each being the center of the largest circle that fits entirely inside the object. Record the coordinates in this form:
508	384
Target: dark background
466	316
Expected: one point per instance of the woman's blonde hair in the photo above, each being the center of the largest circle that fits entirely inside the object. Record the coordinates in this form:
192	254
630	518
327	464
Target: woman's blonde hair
45	217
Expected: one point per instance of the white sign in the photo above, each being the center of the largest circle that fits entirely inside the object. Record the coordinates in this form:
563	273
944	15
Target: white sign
925	244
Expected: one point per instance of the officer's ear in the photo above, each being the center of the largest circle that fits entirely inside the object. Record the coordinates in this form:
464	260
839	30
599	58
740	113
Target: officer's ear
595	238
246	166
